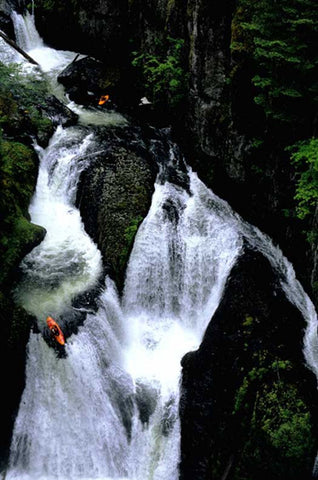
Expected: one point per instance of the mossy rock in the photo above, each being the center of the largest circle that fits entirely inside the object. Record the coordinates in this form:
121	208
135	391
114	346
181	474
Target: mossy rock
115	193
114	202
21	238
18	172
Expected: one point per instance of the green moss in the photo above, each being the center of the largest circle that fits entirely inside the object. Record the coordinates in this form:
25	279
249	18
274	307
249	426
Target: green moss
19	117
18	166
129	236
248	321
170	6
18	171
20	99
21	236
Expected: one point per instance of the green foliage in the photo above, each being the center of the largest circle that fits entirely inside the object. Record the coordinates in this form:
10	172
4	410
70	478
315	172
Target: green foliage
129	236
281	442
20	99
305	159
248	321
279	437
58	6
285	420
131	230
164	77
278	39
26	88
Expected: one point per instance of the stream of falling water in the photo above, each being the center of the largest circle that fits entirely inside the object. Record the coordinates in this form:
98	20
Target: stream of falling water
109	409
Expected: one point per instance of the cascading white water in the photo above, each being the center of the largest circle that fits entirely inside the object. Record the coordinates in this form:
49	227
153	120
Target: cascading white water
183	253
123	353
109	410
69	425
67	262
26	34
50	60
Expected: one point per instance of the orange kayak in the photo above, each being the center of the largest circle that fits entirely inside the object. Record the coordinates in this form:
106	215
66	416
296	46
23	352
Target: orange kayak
103	99
55	330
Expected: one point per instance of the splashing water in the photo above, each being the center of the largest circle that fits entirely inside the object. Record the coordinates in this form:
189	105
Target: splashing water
67	262
69	424
181	259
109	410
28	39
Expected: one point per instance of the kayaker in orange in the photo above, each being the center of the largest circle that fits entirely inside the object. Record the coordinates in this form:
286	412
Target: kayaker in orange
103	99
55	330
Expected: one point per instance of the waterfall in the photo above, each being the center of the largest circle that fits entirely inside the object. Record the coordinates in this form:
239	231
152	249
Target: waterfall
69	424
67	262
182	256
26	34
109	409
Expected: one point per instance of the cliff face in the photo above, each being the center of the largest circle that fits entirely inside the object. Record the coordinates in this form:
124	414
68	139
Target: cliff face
248	406
95	28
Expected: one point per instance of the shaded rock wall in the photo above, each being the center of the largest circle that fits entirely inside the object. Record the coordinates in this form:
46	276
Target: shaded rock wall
96	28
248	404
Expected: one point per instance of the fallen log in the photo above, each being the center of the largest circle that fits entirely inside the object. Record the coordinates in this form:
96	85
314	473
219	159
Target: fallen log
17	48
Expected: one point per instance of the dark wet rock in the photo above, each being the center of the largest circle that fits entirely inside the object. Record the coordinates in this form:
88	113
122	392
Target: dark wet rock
314	258
57	112
87	79
251	350
170	416
94	28
171	208
172	165
15	326
146	399
122	398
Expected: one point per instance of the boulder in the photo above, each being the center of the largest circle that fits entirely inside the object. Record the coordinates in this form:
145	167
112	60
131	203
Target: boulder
85	80
57	112
115	191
